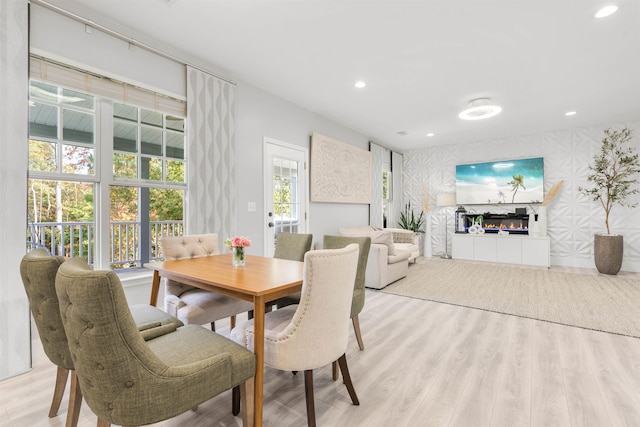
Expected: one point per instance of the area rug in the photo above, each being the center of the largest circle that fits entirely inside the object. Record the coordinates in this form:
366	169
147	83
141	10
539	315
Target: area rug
592	301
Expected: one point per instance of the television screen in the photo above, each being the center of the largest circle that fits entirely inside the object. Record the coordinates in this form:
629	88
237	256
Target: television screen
505	181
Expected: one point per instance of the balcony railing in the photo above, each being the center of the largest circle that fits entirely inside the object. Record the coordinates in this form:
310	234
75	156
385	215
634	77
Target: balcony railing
77	239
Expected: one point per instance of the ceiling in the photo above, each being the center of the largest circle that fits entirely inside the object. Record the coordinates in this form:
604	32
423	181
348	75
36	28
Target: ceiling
422	60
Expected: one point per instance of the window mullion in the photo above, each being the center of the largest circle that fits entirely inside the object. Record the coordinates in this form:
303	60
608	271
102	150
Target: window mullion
105	173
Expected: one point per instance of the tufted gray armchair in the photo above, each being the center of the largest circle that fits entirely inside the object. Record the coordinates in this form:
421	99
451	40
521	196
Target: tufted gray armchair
129	381
190	304
38	270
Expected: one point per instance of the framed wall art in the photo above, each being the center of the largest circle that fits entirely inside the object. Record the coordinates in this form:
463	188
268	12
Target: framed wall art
340	173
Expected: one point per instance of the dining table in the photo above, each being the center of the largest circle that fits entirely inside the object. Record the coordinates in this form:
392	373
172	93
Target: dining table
260	280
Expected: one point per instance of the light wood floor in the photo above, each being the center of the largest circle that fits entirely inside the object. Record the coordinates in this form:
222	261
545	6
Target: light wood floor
425	364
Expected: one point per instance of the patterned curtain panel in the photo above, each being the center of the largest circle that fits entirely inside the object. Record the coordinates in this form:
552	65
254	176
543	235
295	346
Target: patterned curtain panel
397	204
211	199
375	208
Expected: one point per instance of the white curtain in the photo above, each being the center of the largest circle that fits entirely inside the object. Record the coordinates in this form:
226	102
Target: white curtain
375	208
211	198
397	204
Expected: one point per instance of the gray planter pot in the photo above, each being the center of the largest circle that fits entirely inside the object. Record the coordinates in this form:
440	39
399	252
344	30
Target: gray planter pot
607	253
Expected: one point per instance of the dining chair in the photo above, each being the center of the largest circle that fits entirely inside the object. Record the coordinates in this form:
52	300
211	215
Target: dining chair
357	303
194	305
314	333
291	246
38	270
129	381
336	242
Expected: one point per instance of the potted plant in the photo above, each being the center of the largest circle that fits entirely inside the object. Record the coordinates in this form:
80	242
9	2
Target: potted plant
409	221
613	177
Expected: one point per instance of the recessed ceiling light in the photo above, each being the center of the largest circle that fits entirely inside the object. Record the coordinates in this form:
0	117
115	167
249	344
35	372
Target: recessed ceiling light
479	109
570	113
606	11
360	84
430	134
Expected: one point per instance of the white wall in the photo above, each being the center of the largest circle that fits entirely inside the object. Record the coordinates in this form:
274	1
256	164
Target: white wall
572	218
15	343
261	114
258	114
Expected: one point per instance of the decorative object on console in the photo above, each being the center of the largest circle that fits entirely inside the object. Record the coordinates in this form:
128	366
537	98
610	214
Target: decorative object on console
461	221
538	223
613	177
444	200
476	227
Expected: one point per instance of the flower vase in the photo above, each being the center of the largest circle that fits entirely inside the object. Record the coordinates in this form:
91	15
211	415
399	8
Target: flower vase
238	256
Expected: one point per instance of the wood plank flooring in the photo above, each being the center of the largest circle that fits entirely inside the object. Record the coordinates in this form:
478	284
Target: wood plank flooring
424	364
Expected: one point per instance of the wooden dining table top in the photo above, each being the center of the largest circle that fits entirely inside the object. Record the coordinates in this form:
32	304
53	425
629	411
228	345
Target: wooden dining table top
261	276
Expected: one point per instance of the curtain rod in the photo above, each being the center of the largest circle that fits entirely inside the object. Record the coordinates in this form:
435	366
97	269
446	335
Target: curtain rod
121	36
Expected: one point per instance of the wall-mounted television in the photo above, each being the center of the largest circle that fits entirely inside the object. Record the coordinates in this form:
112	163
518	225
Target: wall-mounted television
505	181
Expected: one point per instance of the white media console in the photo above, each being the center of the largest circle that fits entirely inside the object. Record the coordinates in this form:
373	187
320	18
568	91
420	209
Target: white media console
512	249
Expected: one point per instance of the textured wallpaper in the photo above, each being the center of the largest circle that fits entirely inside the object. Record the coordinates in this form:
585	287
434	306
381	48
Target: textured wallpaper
572	218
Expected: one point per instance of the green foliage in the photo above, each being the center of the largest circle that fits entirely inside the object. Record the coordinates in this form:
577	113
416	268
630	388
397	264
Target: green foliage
282	196
613	172
518	181
409	221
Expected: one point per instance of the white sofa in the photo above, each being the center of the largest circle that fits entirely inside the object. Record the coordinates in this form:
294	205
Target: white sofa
388	261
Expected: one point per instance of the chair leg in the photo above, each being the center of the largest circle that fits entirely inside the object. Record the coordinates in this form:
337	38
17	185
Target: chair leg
232	322
246	396
347	379
235	400
334	370
75	402
103	423
356	327
308	391
58	390
213	326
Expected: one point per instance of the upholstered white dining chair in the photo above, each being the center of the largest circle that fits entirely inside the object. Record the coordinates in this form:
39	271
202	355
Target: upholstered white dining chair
314	333
190	304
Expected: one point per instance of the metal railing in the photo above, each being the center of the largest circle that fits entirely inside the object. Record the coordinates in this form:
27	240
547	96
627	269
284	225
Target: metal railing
77	239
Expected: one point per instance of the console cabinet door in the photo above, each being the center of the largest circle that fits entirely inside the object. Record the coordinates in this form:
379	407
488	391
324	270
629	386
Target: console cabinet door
536	252
462	246
509	250
484	248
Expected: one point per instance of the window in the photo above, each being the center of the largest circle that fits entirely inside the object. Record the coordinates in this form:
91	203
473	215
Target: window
148	183
387	196
91	158
286	203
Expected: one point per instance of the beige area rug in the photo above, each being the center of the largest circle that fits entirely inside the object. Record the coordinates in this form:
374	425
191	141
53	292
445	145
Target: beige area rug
592	301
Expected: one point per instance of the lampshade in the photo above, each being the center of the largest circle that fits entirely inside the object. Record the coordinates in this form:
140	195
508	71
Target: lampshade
446	199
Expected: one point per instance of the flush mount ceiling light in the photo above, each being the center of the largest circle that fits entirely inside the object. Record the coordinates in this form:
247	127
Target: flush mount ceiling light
606	11
360	84
479	109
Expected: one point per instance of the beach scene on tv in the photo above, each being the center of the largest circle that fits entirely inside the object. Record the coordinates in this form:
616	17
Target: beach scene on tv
509	181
